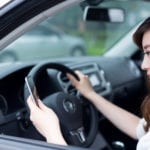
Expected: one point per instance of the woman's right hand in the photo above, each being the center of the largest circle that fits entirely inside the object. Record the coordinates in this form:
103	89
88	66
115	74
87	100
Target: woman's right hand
84	86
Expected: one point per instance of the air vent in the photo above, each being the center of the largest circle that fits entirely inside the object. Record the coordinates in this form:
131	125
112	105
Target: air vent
66	84
134	69
71	90
63	78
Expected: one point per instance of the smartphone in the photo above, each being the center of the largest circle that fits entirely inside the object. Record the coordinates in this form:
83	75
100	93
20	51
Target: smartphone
32	89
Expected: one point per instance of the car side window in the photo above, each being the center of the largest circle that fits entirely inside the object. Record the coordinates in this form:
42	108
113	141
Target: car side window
61	37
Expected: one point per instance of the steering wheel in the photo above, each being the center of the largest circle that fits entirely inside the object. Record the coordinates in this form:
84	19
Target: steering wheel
68	108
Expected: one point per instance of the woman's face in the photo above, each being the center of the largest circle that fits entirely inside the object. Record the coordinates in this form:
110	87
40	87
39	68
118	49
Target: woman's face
146	48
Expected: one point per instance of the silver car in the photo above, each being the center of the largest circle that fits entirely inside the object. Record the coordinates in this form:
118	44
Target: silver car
45	41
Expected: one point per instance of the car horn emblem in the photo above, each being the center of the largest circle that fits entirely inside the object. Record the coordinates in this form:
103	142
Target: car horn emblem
69	106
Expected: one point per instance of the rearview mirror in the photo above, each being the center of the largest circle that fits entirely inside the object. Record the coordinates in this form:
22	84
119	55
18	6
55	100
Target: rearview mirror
92	13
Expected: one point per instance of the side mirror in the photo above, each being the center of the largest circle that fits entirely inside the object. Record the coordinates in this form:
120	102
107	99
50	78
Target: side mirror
92	13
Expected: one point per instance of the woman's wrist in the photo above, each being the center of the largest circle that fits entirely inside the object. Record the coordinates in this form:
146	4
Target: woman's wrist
94	98
55	137
90	95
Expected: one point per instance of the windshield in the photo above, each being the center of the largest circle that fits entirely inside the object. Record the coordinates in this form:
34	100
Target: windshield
67	35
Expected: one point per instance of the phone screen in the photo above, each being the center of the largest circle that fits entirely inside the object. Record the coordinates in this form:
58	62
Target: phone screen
32	90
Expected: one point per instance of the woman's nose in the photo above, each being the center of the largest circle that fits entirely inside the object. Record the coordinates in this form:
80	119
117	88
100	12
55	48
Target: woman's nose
146	63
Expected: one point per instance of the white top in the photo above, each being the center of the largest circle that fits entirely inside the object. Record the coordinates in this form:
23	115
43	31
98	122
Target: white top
144	137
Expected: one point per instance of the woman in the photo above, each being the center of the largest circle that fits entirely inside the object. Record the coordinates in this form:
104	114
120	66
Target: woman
137	128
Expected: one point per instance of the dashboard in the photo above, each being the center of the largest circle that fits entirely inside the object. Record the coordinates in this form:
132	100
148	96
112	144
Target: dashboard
120	80
105	76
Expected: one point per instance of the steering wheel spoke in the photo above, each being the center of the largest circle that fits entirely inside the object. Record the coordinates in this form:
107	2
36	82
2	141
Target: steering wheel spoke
79	134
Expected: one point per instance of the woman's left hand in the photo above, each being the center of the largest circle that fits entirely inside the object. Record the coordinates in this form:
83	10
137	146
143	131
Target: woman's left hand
46	122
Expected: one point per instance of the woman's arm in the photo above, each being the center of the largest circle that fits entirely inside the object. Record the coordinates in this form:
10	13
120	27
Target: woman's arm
122	119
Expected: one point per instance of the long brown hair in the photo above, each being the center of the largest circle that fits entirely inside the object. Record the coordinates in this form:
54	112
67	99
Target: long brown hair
138	35
137	38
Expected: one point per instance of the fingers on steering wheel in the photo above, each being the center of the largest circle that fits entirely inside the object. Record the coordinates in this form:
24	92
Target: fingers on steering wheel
72	78
80	74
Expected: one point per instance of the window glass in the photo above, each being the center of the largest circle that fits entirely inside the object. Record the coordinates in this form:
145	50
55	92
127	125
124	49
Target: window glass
67	35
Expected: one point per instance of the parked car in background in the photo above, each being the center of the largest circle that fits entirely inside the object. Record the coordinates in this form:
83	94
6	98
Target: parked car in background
46	41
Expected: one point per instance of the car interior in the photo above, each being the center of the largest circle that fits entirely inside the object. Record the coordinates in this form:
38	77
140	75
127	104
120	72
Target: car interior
117	78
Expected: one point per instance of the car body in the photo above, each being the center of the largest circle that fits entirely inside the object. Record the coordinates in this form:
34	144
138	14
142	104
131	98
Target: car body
112	62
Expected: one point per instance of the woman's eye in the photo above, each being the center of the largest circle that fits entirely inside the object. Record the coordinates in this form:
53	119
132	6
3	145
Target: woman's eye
147	53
